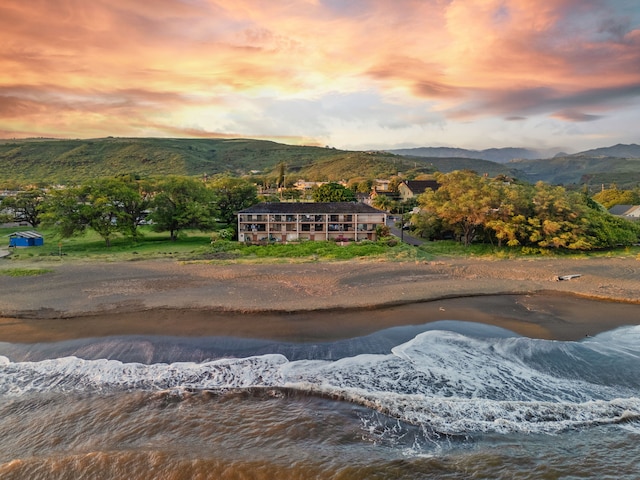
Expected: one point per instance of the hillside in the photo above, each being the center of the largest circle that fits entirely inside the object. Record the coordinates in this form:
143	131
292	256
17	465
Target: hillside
359	164
71	160
64	161
619	151
580	169
481	167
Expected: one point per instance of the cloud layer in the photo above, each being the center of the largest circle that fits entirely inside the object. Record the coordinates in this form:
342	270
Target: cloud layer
358	74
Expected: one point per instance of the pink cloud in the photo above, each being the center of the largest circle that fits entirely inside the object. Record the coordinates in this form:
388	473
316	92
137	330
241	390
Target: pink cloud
125	63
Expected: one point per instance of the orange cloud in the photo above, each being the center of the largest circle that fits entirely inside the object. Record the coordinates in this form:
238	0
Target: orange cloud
108	67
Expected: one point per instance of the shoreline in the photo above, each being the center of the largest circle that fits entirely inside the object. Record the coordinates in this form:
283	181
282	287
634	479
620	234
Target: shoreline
318	301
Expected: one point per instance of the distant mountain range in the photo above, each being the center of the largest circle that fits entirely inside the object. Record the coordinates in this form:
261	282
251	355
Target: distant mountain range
504	155
499	155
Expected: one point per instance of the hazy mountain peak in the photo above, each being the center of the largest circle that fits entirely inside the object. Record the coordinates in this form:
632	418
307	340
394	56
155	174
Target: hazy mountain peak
499	155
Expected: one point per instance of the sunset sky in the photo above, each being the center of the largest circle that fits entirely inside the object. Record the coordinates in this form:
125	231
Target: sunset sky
354	74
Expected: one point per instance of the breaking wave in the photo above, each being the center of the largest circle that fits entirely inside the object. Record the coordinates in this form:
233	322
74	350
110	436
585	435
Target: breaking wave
458	380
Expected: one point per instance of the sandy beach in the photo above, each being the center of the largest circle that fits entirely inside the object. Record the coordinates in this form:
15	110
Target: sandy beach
317	301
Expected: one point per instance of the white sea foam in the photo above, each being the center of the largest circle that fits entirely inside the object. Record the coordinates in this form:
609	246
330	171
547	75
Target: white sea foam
443	381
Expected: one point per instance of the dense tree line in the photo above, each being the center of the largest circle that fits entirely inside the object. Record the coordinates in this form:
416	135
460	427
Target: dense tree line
118	206
466	206
474	208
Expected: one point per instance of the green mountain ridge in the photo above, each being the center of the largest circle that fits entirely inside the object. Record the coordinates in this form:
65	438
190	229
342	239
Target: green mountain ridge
581	169
67	161
72	160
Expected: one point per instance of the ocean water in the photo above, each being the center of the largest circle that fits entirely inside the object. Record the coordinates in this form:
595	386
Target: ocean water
448	399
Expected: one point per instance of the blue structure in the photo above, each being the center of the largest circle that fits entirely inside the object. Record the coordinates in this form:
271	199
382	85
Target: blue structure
25	239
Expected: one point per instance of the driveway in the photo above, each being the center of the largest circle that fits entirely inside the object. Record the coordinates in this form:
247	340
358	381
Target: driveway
402	234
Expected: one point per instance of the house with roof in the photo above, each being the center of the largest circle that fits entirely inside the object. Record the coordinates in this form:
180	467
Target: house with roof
287	222
630	212
25	239
412	188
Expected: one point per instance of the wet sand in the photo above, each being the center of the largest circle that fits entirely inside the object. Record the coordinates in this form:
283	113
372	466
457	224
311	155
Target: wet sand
318	301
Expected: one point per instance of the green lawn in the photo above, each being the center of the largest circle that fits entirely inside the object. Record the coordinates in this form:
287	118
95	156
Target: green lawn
92	247
194	245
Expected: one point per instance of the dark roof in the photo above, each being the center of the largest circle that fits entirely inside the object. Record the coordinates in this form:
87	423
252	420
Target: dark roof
419	186
314	208
385	193
621	209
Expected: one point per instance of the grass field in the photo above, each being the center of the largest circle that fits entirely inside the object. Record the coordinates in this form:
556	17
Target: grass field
194	245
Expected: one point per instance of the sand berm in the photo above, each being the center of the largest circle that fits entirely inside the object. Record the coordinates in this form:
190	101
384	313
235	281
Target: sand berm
318	301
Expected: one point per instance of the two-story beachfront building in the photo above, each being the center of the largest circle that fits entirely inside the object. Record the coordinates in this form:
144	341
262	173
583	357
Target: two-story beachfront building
286	222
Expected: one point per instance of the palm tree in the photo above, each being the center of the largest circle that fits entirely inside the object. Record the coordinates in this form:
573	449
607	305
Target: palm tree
382	202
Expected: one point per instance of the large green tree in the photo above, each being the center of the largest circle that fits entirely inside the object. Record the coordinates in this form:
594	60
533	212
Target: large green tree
182	202
25	206
232	195
109	206
115	206
134	201
333	192
67	211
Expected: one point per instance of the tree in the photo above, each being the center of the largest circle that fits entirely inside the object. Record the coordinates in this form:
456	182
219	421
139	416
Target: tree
291	194
182	202
281	172
510	221
558	218
394	183
232	195
519	214
426	225
333	192
5	217
360	184
134	200
66	211
383	202
115	205
606	230
26	206
109	206
463	201
613	196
